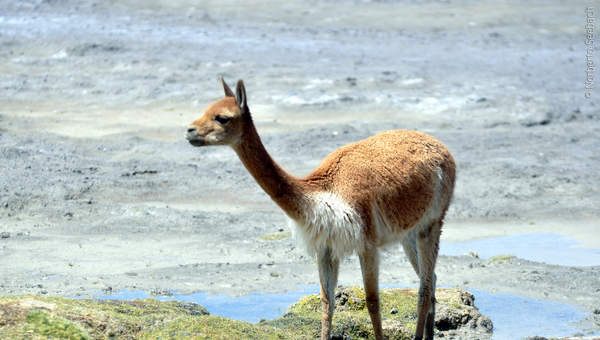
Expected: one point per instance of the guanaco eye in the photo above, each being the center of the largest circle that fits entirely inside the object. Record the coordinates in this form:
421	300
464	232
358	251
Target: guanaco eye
222	119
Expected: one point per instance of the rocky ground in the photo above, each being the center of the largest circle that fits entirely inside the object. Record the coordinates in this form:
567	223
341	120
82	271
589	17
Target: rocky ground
100	192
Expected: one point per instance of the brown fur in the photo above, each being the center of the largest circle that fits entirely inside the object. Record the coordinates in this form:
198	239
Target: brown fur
394	171
392	168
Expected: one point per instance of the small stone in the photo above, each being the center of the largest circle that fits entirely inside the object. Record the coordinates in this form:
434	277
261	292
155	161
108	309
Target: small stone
4	234
597	311
274	274
394	310
536	119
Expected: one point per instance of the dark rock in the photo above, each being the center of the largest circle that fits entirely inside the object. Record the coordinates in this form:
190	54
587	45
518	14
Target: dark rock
141	172
450	317
193	308
536	119
161	292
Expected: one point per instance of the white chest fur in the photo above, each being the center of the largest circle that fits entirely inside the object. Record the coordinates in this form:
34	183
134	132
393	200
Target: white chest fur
330	222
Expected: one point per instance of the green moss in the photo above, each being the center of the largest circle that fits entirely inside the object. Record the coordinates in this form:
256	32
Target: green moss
351	317
501	258
20	316
42	323
35	317
215	327
276	236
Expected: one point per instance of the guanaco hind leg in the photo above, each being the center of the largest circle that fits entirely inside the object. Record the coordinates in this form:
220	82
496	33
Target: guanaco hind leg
427	242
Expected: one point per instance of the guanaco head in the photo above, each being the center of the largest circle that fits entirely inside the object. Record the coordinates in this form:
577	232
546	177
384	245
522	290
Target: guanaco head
223	121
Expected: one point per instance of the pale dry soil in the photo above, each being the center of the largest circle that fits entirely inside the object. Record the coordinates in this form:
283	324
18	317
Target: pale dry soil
100	192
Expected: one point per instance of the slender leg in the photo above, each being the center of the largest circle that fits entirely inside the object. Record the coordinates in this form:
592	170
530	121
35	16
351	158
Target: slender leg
369	263
429	322
427	250
409	243
328	275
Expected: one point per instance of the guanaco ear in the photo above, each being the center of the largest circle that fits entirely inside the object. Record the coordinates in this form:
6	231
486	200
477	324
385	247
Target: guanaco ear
228	92
240	95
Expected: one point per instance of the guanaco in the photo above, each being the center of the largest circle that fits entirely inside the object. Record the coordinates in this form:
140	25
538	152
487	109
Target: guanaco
392	187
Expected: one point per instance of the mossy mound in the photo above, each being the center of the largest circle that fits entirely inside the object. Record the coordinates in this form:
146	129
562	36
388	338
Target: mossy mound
35	317
351	320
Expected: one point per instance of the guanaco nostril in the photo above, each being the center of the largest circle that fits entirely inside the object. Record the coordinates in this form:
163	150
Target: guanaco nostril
190	130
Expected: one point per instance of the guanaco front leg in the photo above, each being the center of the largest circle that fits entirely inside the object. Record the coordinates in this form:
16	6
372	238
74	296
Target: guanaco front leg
328	275
369	264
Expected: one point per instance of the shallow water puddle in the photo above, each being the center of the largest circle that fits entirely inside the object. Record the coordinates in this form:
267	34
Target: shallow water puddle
251	308
540	247
514	317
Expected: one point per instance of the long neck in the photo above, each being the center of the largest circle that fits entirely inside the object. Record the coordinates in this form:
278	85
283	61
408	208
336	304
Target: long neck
286	190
